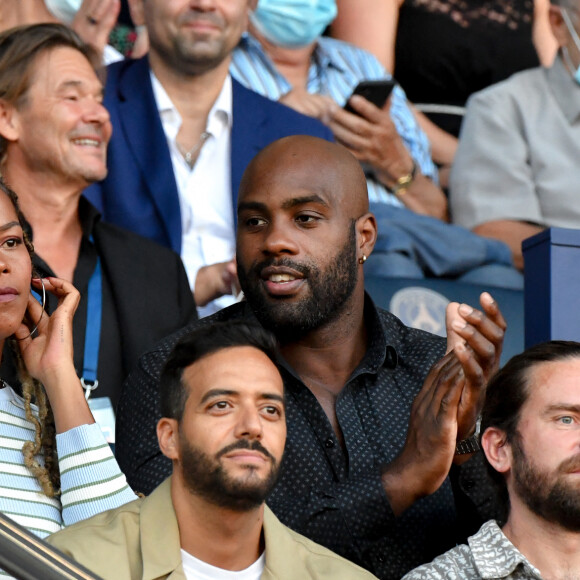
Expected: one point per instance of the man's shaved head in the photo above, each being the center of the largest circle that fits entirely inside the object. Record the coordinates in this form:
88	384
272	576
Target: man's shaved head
293	158
304	232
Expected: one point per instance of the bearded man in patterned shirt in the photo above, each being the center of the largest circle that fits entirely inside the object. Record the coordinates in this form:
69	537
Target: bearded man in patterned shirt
531	438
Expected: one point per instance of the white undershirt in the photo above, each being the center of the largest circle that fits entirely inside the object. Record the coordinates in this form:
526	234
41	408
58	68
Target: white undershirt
205	193
198	570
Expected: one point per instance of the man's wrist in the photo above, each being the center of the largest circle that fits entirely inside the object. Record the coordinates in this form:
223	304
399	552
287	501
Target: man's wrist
404	182
399	481
467	446
398	182
470	444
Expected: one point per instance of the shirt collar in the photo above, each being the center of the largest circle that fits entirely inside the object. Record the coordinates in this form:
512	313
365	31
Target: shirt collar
219	118
323	56
565	89
382	342
253	47
380	351
89	216
495	556
220	115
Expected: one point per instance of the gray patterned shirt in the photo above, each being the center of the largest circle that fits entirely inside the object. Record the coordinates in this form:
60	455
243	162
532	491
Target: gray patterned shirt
489	555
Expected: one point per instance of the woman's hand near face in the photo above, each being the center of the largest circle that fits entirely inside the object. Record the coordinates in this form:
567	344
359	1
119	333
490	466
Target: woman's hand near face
49	356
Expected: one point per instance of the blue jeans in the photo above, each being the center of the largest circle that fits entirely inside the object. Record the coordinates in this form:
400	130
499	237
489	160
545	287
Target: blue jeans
410	245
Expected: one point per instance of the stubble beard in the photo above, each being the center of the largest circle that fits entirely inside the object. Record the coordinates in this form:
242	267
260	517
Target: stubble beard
195	53
207	478
330	290
547	494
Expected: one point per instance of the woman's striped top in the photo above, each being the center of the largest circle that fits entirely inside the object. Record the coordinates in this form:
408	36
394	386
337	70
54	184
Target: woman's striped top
91	480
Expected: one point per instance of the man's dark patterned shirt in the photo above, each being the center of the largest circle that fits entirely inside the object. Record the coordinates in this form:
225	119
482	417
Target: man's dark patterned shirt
331	495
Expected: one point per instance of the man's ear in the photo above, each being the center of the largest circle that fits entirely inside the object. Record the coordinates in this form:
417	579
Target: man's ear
366	229
497	449
9	125
252	4
168	437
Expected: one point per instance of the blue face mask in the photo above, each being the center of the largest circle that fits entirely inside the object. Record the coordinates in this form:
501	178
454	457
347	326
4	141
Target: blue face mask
64	10
576	39
292	23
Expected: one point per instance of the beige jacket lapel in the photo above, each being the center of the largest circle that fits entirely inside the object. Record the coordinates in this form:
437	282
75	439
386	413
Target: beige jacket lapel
160	545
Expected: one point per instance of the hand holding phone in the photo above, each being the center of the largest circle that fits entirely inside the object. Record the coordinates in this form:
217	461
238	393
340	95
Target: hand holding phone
377	92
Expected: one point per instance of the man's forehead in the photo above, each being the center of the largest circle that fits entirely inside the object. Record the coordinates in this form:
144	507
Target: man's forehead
240	369
294	180
554	381
301	165
63	66
285	198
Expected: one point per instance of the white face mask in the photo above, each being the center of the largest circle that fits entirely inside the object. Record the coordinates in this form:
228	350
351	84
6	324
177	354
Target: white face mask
576	39
64	10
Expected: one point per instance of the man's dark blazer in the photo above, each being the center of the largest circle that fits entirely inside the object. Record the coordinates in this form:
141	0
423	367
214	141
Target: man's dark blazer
149	286
140	192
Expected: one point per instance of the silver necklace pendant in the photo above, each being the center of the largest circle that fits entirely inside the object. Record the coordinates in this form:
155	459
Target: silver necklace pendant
192	155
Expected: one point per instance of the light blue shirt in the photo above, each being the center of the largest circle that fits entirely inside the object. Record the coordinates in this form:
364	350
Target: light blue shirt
336	68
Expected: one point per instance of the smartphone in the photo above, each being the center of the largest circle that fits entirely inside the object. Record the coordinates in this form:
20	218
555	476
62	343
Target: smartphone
377	92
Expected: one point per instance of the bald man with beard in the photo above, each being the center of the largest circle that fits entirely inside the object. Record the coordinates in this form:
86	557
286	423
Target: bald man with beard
380	420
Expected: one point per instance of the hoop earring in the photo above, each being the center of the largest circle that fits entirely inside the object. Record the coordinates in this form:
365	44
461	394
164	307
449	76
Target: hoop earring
43	304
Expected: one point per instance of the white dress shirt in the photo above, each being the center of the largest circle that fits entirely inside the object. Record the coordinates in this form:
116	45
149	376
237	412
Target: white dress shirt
205	192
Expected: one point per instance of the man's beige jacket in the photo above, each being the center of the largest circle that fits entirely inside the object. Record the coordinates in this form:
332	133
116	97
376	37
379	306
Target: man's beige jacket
140	540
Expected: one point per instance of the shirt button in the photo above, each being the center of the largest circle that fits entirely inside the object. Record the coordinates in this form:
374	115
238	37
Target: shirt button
329	443
391	358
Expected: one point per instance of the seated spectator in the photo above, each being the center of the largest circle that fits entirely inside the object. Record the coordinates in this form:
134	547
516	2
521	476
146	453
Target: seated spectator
516	170
92	20
53	138
224	428
530	438
286	59
470	44
373	25
184	133
379	479
50	445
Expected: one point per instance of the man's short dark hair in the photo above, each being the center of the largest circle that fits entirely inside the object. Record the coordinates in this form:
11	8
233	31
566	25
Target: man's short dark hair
20	48
203	342
508	390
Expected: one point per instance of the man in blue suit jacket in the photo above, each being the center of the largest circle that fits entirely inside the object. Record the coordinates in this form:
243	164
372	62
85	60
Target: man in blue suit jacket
150	164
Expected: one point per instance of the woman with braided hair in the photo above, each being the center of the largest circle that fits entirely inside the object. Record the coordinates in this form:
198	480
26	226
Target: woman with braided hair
55	466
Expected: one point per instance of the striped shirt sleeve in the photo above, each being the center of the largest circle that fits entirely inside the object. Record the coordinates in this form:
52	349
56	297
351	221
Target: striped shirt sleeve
91	480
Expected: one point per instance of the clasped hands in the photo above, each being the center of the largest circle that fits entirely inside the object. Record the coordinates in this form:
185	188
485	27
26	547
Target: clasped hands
446	409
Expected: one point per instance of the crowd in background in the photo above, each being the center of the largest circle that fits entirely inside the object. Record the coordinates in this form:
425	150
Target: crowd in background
221	165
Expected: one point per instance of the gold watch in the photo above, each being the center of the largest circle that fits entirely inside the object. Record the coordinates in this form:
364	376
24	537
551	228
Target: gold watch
404	182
